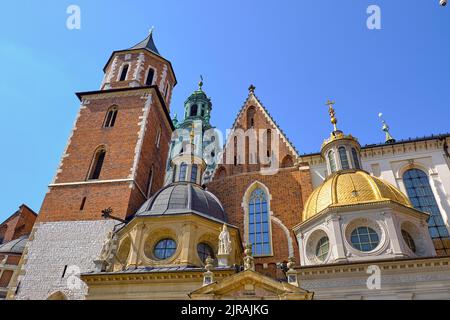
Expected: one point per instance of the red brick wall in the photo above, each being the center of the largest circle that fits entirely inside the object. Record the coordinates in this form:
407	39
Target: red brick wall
63	202
289	189
150	60
19	224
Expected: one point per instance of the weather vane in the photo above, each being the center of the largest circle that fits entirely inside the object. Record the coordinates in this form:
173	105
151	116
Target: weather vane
389	138
200	84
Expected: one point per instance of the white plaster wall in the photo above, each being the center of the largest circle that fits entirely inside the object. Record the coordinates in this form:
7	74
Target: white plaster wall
56	245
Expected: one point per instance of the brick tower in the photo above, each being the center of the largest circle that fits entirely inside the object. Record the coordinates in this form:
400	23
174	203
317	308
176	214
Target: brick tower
115	158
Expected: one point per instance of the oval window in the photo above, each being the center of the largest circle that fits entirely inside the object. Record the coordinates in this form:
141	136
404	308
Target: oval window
164	249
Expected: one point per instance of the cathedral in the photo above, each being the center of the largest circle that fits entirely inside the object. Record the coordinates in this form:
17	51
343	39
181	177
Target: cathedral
148	206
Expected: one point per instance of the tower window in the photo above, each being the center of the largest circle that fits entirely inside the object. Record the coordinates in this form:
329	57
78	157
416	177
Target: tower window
150	76
421	195
111	117
158	137
83	203
166	90
332	160
344	159
194	109
150	183
123	75
259	233
183	170
194	171
97	165
356	159
251	117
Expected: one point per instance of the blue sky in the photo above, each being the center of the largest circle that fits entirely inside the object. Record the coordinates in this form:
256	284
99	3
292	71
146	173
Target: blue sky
297	53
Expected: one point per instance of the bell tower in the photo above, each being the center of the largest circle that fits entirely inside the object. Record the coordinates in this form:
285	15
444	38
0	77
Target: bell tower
116	154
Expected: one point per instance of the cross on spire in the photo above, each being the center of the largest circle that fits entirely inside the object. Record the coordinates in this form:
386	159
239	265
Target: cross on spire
252	88
332	113
150	32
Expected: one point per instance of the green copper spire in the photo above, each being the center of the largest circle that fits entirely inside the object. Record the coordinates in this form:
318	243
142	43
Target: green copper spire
385	128
198	106
175	120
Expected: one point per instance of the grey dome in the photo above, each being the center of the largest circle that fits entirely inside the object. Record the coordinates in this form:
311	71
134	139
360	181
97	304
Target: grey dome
182	198
15	246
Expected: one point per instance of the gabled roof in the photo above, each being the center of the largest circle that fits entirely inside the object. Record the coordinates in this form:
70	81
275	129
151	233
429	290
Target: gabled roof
259	104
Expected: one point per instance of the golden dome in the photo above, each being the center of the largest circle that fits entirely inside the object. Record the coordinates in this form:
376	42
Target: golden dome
351	187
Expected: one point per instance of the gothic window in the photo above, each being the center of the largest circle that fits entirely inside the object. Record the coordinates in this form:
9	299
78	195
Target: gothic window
97	164
194	109
123	74
356	159
259	228
150	76
183	170
421	195
150	183
269	143
158	137
111	117
332	160
194	171
344	159
251	117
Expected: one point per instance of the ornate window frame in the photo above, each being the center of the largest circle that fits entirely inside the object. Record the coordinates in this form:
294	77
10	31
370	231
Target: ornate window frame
245	205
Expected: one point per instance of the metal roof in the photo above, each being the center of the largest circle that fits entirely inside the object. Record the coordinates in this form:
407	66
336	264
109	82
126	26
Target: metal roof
147	43
181	198
15	246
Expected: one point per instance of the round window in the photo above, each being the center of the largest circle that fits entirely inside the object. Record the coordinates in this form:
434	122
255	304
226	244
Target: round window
365	239
204	251
323	248
409	240
164	249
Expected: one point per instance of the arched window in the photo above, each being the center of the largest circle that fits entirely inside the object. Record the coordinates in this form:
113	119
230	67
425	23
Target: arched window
150	76
269	143
97	164
332	160
287	162
251	117
110	119
158	137
194	109
183	170
258	223
344	159
356	159
194	171
123	75
150	183
421	195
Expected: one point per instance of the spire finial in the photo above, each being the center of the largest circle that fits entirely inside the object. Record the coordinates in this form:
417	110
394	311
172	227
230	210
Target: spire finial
332	112
150	32
252	89
200	84
385	128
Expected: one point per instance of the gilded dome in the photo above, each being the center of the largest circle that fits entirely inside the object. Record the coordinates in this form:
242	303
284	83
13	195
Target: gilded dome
351	187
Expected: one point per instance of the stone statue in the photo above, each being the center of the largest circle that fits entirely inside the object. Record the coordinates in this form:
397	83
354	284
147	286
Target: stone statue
249	261
107	247
224	241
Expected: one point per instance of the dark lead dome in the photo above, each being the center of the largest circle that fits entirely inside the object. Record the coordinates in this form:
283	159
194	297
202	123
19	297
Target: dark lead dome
182	198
